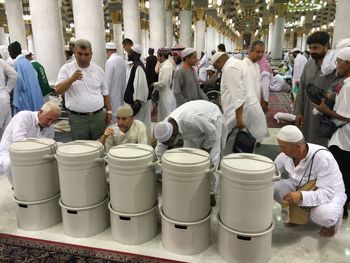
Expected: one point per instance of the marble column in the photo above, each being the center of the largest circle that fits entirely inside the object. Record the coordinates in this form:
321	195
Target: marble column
278	40
89	25
157	24
131	20
299	41
31	44
144	36
14	14
3	38
342	21
211	39
185	38
271	36
117	19
303	43
47	28
200	31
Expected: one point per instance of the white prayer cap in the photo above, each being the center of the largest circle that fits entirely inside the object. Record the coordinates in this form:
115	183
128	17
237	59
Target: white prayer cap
216	56
163	131
26	52
343	43
137	49
187	51
211	68
111	45
124	111
290	133
344	54
296	50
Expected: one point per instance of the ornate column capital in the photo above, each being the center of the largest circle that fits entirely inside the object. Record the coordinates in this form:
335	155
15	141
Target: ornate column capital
210	21
281	9
117	17
168	5
185	5
200	13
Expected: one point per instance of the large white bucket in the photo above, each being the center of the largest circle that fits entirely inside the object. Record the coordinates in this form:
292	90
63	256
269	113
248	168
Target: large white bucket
132	178
186	184
247	192
33	216
185	238
34	169
85	221
134	229
239	247
81	167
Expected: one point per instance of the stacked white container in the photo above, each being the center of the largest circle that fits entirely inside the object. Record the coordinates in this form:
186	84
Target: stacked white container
245	220
186	207
35	181
133	204
84	202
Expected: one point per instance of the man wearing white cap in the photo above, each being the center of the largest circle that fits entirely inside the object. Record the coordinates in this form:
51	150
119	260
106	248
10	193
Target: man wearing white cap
115	70
339	143
201	125
137	93
186	85
299	62
304	162
127	130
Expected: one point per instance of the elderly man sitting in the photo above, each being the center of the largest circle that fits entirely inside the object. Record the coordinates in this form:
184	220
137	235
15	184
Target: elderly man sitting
27	124
304	162
127	130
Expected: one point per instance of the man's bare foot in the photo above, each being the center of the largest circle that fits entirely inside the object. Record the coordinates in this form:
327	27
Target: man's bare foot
327	231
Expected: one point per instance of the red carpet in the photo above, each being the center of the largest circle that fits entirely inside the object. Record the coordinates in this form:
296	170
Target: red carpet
278	102
23	249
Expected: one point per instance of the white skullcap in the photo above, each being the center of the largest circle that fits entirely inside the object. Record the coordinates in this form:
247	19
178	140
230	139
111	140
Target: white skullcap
290	133
137	49
111	45
215	57
163	131
211	68
344	54
26	52
187	51
296	50
343	43
124	111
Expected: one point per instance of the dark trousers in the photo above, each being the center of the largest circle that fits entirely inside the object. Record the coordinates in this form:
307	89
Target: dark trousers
87	127
343	159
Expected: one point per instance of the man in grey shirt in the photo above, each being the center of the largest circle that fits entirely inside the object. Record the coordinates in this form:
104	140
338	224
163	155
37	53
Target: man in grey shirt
307	118
186	84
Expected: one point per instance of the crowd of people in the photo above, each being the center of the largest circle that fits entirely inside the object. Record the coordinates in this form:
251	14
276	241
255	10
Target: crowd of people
114	105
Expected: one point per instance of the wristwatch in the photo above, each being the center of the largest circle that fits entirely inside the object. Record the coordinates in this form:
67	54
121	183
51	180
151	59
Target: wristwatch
109	112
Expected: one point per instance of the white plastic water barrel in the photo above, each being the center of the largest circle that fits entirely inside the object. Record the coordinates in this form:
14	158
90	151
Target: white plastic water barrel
185	238
247	192
81	168
132	178
134	229
186	184
85	221
239	247
34	169
38	215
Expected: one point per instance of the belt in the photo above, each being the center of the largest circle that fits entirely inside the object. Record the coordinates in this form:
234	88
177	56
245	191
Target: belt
85	113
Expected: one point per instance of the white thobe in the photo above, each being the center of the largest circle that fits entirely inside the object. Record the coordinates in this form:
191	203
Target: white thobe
8	77
166	95
201	125
328	199
299	63
136	134
202	68
279	84
24	124
265	80
115	71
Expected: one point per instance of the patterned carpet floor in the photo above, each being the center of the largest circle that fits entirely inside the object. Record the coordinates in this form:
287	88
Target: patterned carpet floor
15	249
278	102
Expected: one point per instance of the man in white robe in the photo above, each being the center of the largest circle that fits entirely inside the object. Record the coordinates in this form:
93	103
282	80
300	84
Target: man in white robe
27	124
299	62
303	162
164	84
115	71
127	130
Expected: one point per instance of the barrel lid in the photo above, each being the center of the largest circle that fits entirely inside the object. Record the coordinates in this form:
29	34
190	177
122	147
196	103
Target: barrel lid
186	156
130	151
33	144
247	162
80	147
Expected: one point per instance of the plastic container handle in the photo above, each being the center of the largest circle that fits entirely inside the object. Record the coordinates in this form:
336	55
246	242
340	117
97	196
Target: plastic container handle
49	157
100	160
210	170
276	177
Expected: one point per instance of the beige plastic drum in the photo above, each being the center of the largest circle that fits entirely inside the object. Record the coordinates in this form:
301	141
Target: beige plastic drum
186	184
132	178
247	192
34	216
239	247
34	169
81	167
